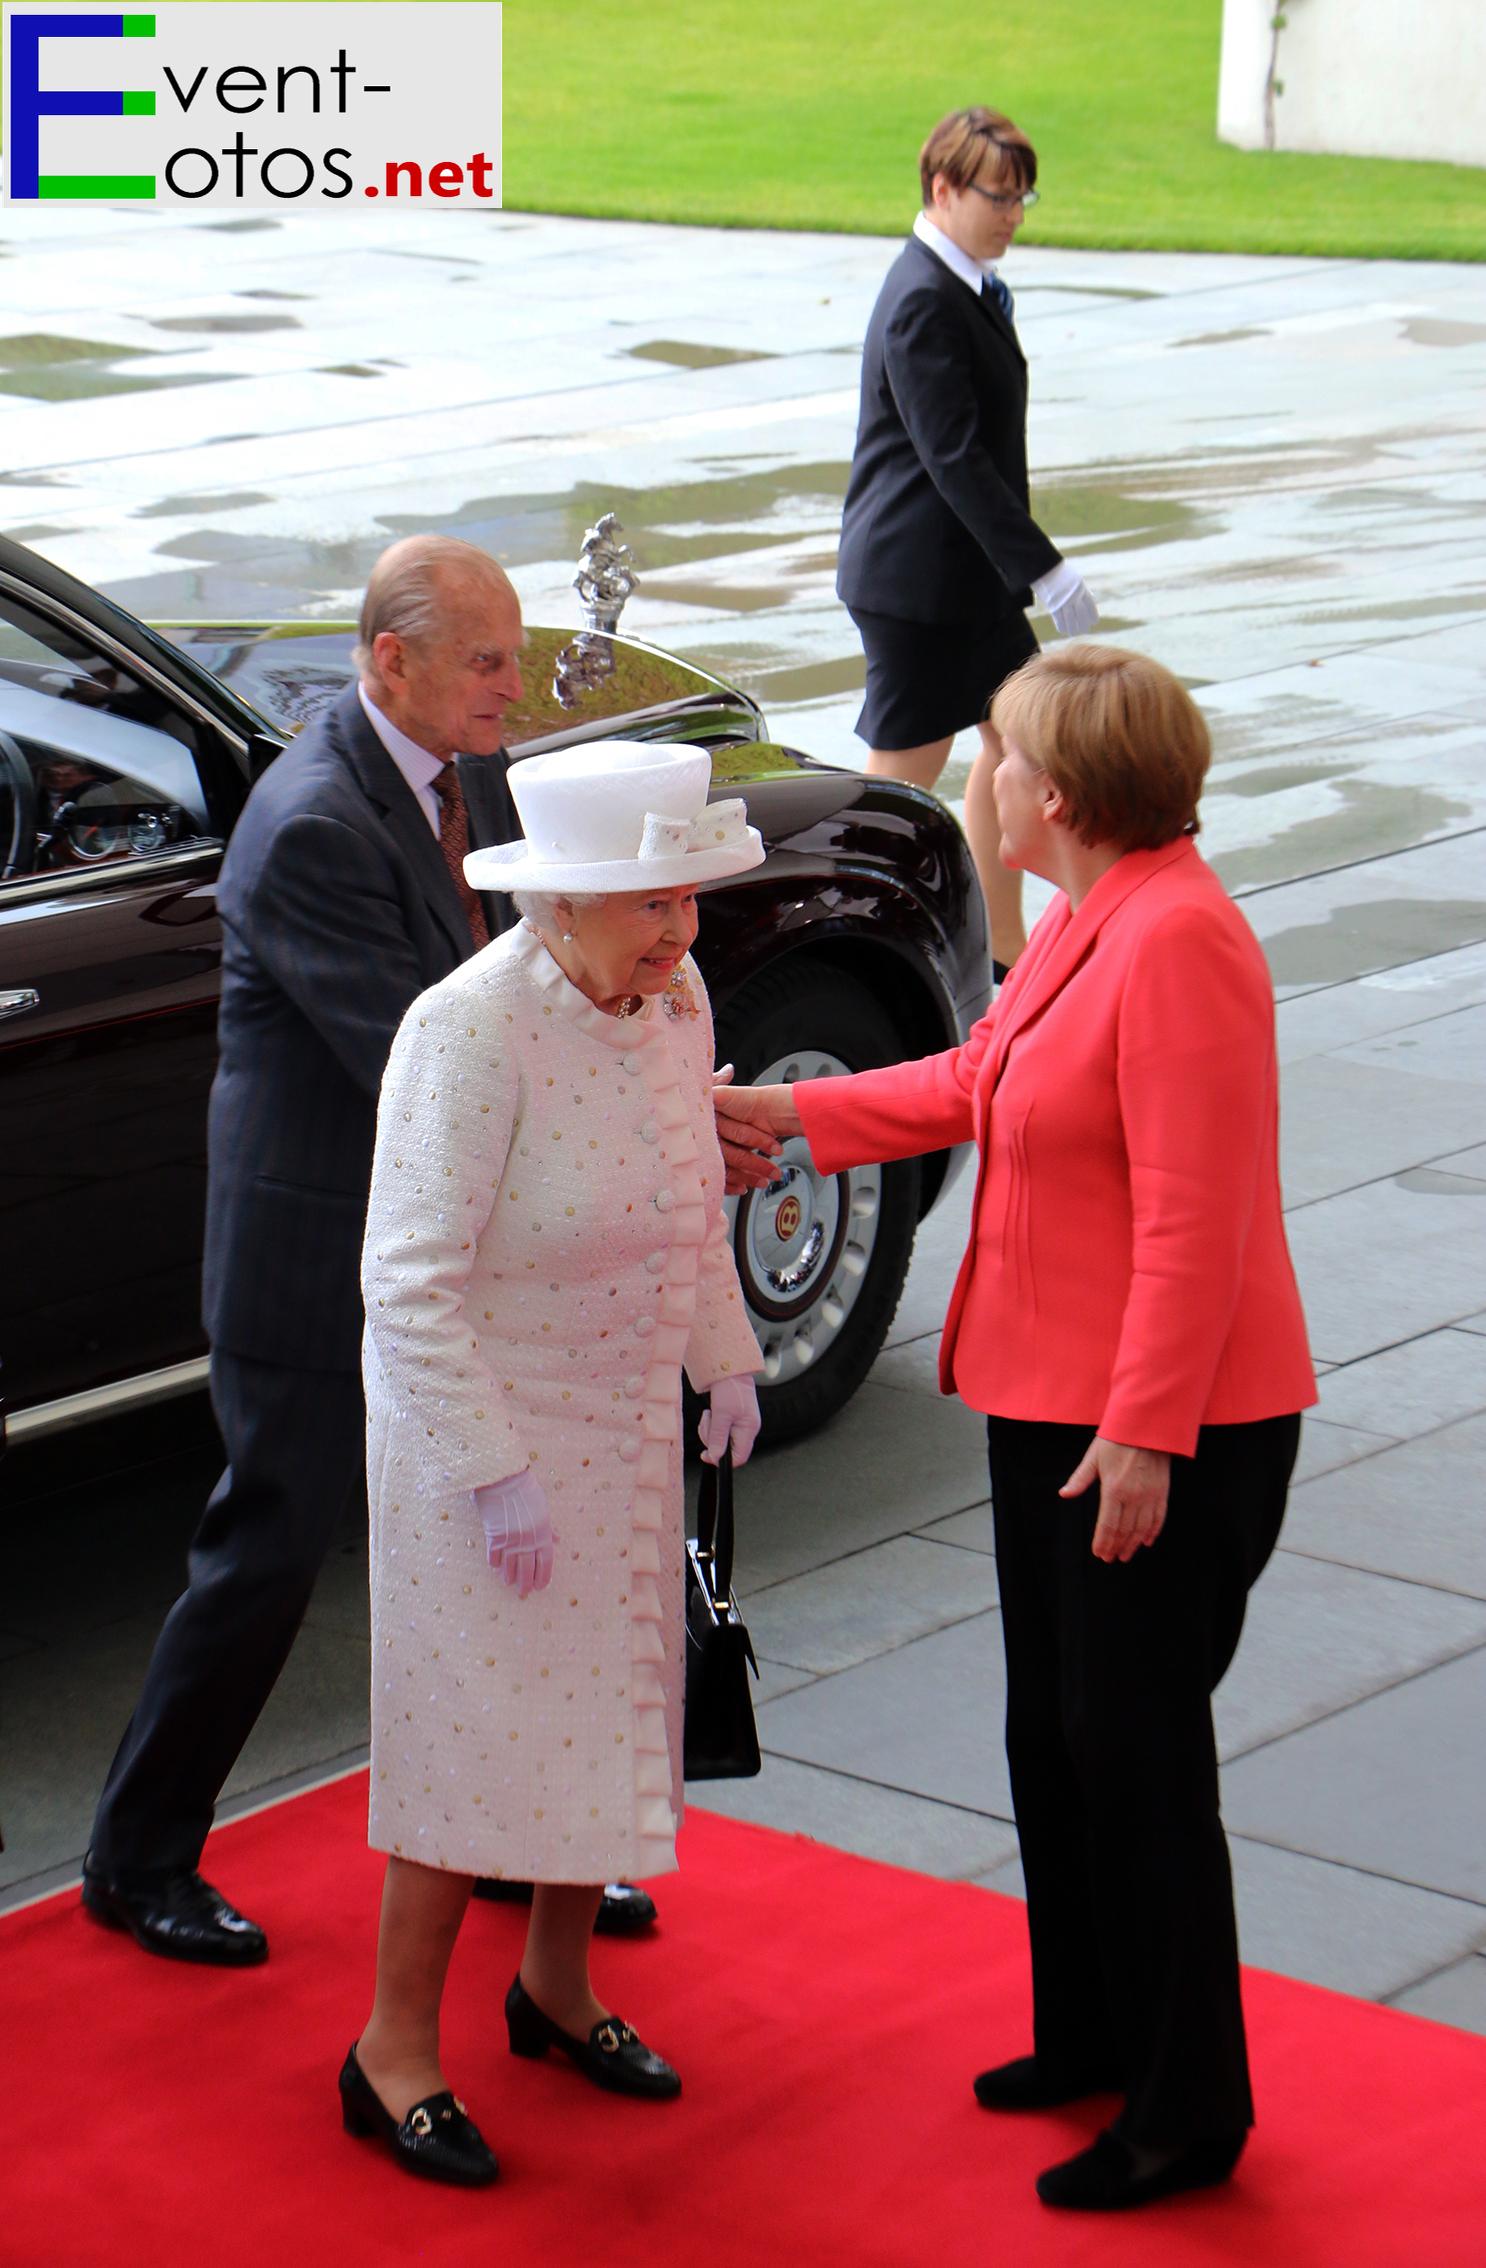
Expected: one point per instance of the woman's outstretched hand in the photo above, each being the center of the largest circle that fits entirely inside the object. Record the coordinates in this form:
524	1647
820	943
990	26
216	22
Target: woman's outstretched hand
752	1125
518	1531
1133	1487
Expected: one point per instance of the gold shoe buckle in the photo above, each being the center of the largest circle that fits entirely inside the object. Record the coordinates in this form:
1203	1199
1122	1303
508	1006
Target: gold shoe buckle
421	2123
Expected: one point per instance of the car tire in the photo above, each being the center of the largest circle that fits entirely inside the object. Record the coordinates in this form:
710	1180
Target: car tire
822	1258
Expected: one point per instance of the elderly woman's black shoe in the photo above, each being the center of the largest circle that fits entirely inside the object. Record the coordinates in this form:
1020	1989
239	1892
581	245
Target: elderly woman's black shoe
612	2056
436	2139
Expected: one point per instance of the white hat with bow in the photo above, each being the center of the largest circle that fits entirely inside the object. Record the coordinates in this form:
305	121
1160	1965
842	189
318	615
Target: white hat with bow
618	815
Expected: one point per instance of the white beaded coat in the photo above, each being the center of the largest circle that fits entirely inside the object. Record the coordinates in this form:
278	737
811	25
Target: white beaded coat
546	1246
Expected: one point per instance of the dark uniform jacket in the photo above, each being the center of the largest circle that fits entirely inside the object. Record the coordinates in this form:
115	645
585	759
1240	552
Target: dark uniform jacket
936	526
337	911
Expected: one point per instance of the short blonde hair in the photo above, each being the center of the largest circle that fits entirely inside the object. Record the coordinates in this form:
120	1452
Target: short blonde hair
1120	738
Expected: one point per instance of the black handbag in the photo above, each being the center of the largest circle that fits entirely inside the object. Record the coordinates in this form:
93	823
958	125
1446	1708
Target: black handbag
720	1740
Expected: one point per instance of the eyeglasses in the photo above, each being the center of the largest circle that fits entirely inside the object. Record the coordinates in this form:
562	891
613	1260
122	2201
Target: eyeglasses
1003	202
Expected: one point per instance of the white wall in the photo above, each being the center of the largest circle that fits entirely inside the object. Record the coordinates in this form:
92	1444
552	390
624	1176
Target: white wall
1362	78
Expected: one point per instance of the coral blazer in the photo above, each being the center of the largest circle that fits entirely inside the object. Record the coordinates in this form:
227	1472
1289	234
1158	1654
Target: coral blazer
1127	1267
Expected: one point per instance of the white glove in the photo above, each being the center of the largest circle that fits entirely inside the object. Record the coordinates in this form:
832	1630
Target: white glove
518	1531
732	1416
1068	599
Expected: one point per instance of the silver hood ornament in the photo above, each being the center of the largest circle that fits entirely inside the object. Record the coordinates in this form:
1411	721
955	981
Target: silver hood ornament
606	575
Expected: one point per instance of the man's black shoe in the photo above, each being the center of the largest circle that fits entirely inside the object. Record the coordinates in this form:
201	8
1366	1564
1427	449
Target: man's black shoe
1026	2084
1110	2176
177	1914
624	1911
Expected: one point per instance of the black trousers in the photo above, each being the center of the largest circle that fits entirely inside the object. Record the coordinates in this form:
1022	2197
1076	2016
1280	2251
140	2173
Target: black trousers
1114	1774
296	1443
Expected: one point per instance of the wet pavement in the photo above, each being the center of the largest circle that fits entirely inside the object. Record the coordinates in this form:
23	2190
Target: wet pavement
1271	472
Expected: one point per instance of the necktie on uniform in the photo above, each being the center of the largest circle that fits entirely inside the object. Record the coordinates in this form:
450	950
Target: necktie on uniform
454	842
1000	291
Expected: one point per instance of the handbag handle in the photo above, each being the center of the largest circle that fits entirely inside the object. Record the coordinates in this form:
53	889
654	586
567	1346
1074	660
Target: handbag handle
715	1526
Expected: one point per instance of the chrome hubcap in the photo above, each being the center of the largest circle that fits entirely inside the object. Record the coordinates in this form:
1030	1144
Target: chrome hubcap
803	1245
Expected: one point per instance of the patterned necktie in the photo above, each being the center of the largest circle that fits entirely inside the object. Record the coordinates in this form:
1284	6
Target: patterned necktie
1001	293
454	842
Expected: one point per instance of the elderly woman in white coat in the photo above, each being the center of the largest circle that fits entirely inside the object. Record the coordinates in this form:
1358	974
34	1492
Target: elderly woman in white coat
546	1249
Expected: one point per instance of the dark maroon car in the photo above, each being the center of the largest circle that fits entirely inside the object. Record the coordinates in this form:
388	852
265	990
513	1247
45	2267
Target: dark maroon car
126	753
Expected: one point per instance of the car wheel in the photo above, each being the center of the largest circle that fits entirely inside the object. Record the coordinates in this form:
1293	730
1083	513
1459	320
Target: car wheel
821	1257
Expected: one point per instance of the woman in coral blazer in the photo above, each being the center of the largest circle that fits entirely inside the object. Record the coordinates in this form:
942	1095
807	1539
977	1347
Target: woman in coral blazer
1127	1317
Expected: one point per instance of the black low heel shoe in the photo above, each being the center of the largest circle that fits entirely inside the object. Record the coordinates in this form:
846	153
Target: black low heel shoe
612	2056
1026	2084
435	2139
1106	2178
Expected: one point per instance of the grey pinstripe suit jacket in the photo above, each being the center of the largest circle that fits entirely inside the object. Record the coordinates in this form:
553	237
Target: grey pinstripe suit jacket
337	911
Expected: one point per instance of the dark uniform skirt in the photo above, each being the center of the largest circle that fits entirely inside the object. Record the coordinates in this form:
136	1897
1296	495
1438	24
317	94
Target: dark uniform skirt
928	680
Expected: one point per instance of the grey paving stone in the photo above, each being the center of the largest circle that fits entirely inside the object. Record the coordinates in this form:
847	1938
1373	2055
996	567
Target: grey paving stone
1334	1926
1445	1047
805	1505
855	1608
1345	1121
1339	1015
1323	1447
775	1678
855	1815
1475	1323
1428	1382
1456	1995
912	1366
1414	1511
1007	1879
1382	1264
929	1718
1318	1637
974	1530
937	1251
1392	1786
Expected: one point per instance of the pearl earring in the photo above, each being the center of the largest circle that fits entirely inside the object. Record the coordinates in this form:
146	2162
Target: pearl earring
567	937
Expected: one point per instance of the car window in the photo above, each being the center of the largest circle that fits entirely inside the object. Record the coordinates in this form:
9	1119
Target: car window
96	765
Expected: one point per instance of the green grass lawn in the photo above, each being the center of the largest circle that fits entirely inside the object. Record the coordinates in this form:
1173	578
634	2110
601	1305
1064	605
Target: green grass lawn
809	114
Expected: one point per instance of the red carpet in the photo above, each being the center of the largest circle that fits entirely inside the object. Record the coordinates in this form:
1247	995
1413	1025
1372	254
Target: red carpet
827	2015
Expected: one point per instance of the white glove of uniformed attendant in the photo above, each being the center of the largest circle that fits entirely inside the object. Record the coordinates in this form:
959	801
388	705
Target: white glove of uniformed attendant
518	1531
1068	599
732	1416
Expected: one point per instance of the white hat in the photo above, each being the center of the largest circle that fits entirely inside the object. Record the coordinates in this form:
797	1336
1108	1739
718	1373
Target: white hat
617	815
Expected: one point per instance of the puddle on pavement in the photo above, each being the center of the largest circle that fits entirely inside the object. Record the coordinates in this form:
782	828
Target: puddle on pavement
756	670
684	356
177	507
1355	940
1072	511
1274	779
1226	338
42	367
1430	330
1372	819
672	526
1429	1181
1086	291
232	326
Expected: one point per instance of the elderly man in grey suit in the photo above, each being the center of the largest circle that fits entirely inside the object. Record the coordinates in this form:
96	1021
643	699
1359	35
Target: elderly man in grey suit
342	898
